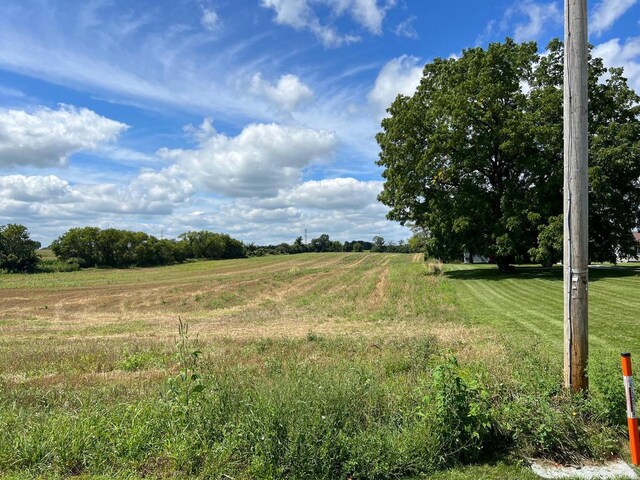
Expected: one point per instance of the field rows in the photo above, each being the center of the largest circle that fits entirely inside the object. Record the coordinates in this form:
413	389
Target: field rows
86	321
351	338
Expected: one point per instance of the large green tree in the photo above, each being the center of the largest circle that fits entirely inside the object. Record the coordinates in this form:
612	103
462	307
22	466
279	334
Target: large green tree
17	250
474	158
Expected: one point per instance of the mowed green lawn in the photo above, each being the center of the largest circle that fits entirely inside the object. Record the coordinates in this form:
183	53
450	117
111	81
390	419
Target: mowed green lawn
528	304
309	366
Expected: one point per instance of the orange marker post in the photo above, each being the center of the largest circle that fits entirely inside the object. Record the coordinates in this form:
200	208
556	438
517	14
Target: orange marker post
632	421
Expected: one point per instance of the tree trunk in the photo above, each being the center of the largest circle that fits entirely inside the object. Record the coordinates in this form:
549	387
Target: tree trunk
504	264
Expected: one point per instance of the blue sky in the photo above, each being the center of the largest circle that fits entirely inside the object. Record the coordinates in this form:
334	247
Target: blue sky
251	117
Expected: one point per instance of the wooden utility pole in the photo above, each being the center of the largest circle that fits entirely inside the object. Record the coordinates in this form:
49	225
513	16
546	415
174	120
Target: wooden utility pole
576	189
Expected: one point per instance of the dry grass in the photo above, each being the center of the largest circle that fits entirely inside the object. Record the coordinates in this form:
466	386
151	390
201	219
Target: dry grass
434	267
84	323
368	326
76	327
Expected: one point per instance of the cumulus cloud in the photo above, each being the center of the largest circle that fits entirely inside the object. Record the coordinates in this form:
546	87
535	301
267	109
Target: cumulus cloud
131	199
159	188
399	76
295	13
626	54
267	216
287	93
538	16
49	137
344	208
51	196
607	12
23	188
330	194
201	132
259	161
154	202
301	16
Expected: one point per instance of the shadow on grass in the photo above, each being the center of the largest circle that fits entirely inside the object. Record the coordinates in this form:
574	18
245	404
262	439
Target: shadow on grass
596	272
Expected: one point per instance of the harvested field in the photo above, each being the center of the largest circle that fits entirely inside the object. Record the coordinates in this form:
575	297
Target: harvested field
357	338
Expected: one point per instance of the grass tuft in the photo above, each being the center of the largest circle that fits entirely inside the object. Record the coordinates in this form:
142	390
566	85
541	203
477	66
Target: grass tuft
433	267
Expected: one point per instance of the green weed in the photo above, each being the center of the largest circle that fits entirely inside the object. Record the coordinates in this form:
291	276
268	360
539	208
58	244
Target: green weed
135	361
188	383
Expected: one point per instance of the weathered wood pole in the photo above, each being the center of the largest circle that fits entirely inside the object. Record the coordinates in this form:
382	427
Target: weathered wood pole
576	188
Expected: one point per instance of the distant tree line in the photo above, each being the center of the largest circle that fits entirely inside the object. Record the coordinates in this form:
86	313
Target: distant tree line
87	247
94	247
323	243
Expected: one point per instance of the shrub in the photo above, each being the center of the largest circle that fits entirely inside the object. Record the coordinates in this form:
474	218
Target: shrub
459	415
51	265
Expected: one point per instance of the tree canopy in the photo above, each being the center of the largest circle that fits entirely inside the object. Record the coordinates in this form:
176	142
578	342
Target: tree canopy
17	250
475	157
93	247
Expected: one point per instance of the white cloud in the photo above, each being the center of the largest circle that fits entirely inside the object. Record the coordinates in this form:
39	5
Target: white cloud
538	15
170	67
256	163
487	33
22	188
606	12
130	200
525	20
622	54
203	131
172	64
126	156
48	137
300	15
210	20
155	202
50	196
295	13
330	194
287	93
367	13
355	214
406	28
158	188
330	37
399	76
181	68
265	216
